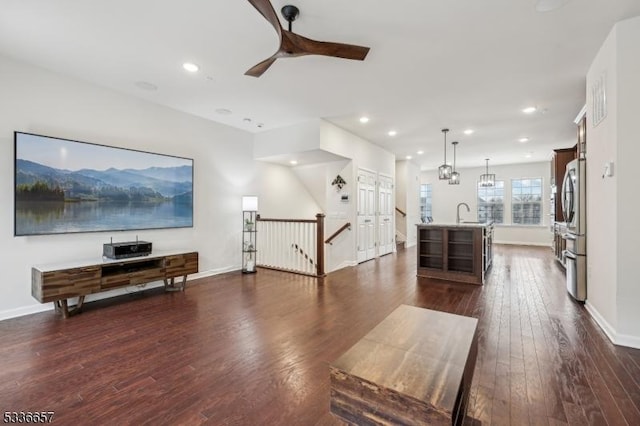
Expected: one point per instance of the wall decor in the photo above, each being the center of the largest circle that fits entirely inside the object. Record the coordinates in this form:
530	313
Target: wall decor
65	186
339	182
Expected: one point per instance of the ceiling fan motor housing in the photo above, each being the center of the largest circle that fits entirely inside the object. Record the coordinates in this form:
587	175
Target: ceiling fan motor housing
290	12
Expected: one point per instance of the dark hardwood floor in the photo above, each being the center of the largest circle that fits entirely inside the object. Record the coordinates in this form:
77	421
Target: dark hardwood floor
254	349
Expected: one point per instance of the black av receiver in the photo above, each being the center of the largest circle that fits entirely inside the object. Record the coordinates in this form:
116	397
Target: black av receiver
127	249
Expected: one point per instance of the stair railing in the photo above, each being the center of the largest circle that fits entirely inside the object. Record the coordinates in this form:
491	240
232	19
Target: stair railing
291	245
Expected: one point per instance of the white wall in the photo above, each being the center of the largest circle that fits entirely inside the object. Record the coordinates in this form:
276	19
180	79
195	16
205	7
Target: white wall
628	178
38	101
401	198
287	140
322	140
613	243
317	178
445	199
282	194
364	154
408	200
602	194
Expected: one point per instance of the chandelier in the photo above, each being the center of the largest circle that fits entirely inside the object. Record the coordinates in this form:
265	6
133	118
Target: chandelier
487	179
444	171
455	176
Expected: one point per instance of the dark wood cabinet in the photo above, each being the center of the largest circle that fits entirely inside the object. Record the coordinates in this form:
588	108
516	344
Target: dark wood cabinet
561	157
459	253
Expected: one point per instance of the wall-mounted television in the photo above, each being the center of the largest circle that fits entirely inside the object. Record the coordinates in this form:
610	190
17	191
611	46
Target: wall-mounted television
65	186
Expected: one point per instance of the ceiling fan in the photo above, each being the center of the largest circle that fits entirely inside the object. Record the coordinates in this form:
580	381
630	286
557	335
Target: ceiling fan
292	45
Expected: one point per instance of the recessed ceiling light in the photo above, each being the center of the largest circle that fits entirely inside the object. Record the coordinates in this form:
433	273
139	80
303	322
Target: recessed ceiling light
409	157
420	152
523	140
293	162
145	85
190	67
392	133
469	131
529	110
224	111
364	120
528	155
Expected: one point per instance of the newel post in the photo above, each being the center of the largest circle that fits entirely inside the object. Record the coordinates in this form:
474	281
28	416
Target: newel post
320	243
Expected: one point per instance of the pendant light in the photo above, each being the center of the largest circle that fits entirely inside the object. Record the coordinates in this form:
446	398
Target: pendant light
455	176
487	179
444	171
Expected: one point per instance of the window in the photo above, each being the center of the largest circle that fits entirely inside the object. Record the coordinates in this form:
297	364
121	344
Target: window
425	202
526	201
491	203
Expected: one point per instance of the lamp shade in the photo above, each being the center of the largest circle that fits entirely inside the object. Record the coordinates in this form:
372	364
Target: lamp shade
249	203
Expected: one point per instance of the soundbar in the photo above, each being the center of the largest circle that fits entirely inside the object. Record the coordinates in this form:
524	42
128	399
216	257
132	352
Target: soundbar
127	249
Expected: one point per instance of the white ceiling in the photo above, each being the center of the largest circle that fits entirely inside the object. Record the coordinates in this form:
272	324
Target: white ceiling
448	63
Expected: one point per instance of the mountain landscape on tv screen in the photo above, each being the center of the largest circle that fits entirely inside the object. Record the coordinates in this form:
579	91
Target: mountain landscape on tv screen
36	182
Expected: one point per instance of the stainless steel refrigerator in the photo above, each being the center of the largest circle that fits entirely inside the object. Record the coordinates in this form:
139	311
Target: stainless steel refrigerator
574	208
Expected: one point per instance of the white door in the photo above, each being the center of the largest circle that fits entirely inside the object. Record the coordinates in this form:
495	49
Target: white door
385	217
366	215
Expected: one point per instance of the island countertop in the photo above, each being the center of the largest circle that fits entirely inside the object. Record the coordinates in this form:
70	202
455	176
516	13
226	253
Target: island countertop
456	225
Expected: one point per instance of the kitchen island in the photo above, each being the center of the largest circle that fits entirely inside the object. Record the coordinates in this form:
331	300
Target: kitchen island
455	252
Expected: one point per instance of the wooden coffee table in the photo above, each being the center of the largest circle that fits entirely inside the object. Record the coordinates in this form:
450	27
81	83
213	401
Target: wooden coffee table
415	367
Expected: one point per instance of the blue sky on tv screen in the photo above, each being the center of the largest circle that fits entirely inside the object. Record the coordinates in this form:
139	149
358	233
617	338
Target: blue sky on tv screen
68	155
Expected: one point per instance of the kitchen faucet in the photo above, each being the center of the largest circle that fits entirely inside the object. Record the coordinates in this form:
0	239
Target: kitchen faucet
458	211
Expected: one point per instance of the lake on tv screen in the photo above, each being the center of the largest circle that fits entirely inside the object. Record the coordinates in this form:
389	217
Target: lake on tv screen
51	218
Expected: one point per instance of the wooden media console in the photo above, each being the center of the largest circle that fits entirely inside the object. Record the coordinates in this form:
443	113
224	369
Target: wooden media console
59	282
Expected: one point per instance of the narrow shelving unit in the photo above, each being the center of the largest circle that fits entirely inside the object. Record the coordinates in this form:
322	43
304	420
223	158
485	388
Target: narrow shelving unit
249	239
460	253
430	253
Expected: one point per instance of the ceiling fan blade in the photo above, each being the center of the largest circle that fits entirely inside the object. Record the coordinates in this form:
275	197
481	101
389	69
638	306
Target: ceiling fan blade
266	9
259	69
338	50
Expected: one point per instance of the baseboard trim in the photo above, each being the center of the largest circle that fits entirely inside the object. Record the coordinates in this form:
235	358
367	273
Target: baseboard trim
44	307
628	340
615	337
345	264
523	243
602	323
25	310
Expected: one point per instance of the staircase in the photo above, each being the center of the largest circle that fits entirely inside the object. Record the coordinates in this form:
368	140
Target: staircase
400	241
